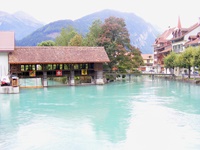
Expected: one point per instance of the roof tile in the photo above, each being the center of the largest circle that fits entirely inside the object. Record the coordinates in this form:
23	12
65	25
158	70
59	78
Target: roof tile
58	54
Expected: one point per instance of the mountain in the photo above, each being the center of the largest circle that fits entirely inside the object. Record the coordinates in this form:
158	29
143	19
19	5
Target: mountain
142	34
19	22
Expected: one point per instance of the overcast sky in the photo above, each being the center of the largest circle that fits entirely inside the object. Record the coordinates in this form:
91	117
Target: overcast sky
163	13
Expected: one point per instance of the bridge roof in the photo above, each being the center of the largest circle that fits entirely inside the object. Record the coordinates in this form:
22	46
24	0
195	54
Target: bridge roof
58	54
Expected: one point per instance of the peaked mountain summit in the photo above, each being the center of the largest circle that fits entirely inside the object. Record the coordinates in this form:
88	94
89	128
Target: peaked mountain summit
21	23
142	34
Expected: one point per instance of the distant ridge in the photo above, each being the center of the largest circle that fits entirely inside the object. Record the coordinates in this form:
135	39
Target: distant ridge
142	34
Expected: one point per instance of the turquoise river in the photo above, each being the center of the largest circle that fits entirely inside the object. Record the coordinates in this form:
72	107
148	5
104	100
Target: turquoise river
136	114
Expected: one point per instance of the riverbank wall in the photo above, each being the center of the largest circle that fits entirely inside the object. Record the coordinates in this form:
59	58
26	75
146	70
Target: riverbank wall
180	79
9	90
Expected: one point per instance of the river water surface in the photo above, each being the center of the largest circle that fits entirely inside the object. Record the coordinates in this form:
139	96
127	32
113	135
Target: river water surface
140	114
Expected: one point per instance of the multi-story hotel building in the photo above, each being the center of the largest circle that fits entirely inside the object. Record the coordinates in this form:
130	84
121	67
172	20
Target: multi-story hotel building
175	39
162	47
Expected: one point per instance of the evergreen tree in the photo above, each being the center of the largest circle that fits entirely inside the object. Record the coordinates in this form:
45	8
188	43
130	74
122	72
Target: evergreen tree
95	30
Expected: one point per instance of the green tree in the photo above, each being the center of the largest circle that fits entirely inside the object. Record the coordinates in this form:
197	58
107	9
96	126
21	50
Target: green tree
47	43
186	59
95	30
196	56
170	60
130	60
77	40
65	36
115	39
137	58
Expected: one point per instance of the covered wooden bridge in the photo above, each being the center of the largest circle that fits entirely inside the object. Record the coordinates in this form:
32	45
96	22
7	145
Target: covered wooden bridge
59	61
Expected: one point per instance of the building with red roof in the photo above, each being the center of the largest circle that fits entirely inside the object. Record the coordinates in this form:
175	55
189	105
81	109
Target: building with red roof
175	39
148	62
162	47
181	37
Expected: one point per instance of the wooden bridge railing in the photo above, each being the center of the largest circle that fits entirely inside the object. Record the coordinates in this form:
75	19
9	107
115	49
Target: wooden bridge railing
152	74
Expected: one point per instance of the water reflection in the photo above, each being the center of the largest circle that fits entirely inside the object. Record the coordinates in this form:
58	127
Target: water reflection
8	104
184	96
141	114
107	113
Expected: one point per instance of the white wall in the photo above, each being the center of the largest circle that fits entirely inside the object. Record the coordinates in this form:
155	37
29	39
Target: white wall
4	67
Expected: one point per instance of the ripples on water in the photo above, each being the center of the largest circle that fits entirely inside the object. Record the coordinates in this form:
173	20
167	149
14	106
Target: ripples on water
139	114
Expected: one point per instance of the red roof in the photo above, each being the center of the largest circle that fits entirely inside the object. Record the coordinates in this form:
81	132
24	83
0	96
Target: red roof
58	54
192	37
194	42
147	56
186	30
163	37
7	41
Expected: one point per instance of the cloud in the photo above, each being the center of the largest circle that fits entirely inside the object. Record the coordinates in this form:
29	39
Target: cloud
162	13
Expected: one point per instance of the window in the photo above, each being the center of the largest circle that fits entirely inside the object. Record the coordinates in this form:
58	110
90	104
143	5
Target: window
54	66
28	67
83	66
174	48
61	66
181	46
91	66
66	67
39	67
33	67
49	67
76	66
22	67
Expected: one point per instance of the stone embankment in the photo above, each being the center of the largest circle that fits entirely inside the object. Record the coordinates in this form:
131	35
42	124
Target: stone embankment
181	79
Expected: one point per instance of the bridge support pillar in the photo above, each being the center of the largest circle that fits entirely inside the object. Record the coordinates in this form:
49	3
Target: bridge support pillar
45	82
72	81
99	79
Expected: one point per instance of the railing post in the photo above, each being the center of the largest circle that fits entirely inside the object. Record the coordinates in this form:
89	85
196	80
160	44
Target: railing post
152	76
72	81
45	82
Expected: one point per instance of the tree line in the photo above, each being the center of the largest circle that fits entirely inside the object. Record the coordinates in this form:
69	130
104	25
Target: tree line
189	58
112	35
